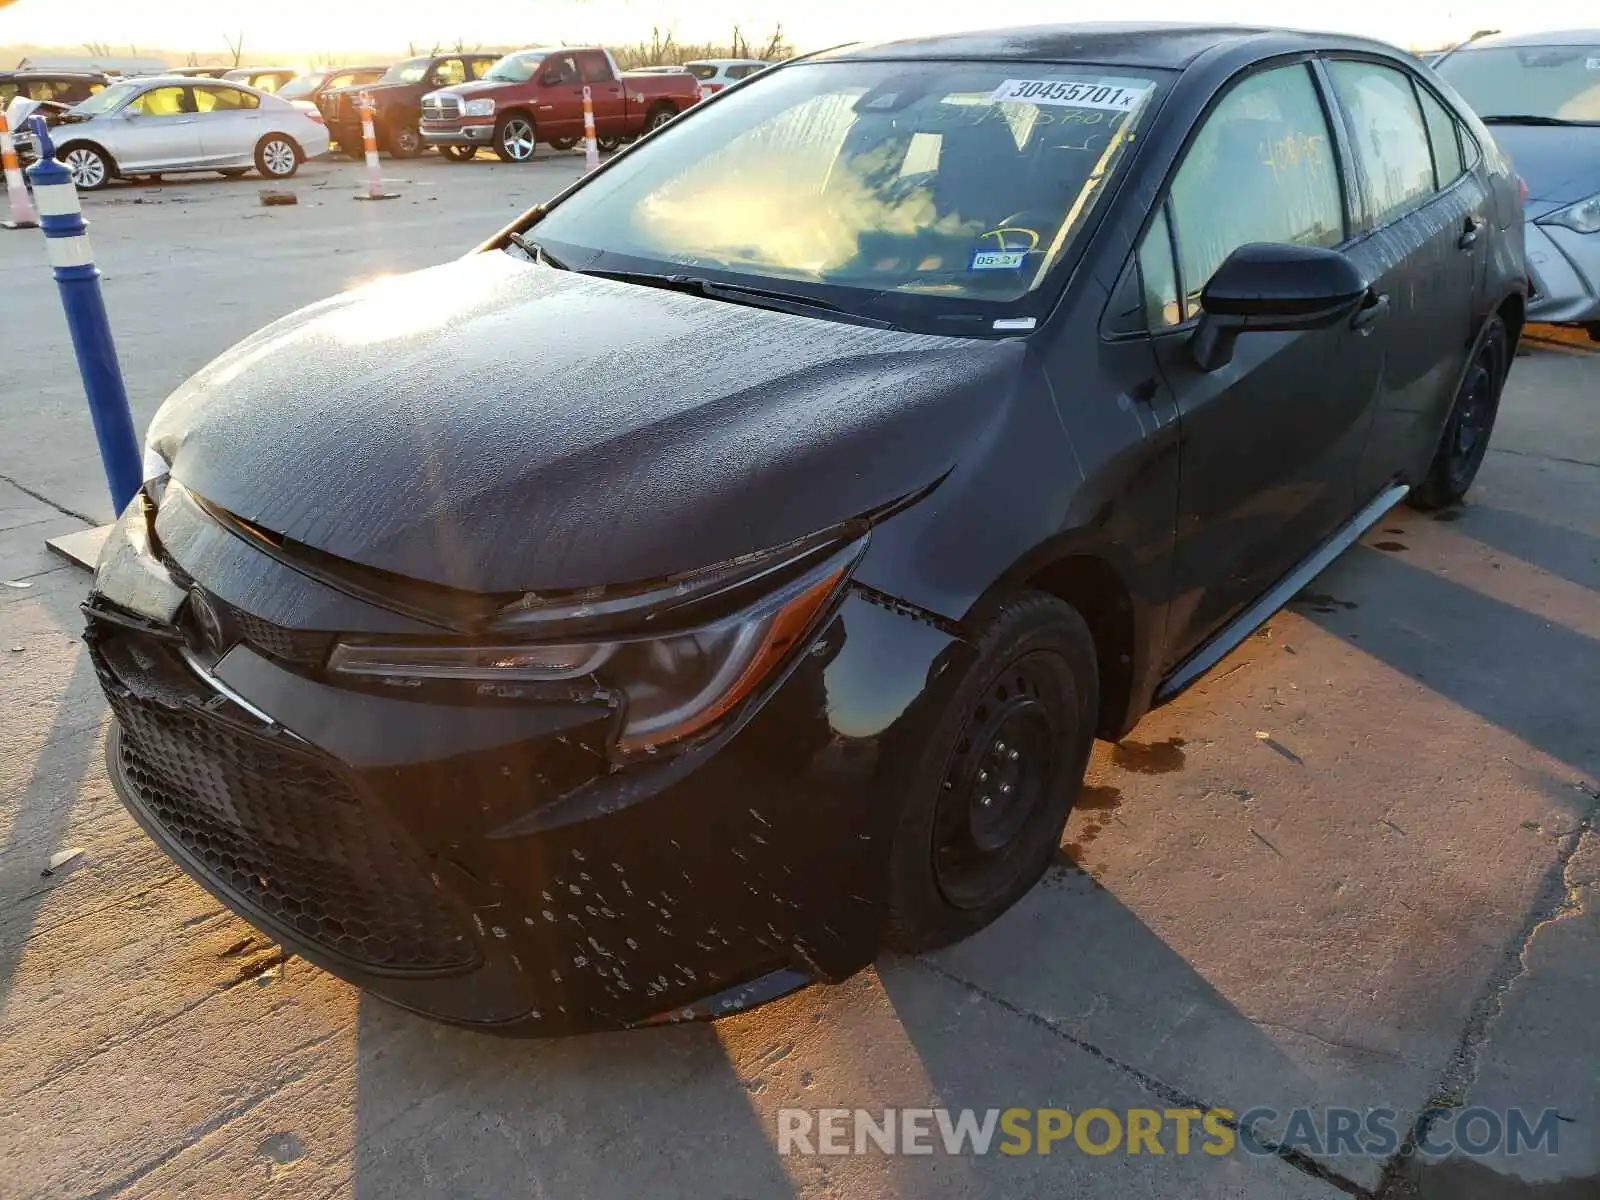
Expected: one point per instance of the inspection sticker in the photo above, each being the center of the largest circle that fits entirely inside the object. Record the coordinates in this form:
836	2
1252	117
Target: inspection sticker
1069	93
997	260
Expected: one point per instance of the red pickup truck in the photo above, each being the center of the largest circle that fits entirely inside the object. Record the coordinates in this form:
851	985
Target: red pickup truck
533	96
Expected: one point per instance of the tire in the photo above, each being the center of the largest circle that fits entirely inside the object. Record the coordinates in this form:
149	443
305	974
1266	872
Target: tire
92	168
1593	330
563	143
355	152
458	154
515	138
404	141
608	143
657	117
1471	422
1020	719
234	173
278	156
150	179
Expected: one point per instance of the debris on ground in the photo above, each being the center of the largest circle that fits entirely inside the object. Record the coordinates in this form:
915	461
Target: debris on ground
18	583
61	859
270	198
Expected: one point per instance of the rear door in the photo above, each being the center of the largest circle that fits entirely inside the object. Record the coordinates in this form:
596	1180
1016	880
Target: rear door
1424	224
229	121
157	130
605	92
1270	441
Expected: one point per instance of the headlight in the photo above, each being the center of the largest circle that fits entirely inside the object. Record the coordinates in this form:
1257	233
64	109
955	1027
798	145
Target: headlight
1582	217
478	108
157	471
672	685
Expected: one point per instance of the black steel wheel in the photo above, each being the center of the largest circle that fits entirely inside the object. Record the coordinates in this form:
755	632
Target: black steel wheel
563	143
458	154
1471	421
998	776
608	142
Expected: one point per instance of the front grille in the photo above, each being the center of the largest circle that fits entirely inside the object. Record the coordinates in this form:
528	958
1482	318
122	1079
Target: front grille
276	826
441	108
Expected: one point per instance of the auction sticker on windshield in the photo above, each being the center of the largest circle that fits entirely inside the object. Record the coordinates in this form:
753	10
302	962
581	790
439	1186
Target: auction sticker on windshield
1070	93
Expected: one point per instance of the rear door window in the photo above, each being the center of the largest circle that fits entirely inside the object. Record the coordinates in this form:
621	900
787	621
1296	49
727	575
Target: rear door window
449	73
480	67
1445	135
1261	169
594	67
1387	134
223	99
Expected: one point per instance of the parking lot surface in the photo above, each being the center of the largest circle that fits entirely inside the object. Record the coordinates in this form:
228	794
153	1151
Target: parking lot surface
1355	867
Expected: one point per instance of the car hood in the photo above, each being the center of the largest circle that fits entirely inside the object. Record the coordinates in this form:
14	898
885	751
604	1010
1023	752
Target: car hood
1560	164
471	87
497	426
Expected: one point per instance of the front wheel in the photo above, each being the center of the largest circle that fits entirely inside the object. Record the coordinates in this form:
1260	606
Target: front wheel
277	156
609	142
657	118
1593	330
1471	421
458	154
563	143
514	138
987	800
89	166
231	173
405	142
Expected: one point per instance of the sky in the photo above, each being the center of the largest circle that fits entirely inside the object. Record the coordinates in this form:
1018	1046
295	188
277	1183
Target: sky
318	27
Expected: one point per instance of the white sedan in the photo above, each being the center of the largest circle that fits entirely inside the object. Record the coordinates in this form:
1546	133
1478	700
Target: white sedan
159	125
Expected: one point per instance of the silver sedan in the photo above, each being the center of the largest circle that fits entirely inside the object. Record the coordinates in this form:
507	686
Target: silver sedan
168	124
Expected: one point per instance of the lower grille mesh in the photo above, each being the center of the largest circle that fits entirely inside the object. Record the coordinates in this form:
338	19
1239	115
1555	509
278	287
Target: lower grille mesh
283	832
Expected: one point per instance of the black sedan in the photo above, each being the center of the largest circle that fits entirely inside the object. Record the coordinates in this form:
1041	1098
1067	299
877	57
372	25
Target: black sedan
722	573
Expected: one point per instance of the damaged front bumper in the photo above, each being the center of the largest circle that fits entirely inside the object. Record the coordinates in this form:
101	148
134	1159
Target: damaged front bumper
483	863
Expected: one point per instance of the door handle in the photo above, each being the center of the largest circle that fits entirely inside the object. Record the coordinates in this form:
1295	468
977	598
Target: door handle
1469	233
1373	309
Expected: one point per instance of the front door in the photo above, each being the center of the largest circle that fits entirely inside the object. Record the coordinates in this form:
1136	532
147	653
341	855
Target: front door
605	92
560	98
1270	441
158	130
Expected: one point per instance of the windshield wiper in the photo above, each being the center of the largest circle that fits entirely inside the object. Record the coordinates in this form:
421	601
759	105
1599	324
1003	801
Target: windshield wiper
736	293
1528	119
536	252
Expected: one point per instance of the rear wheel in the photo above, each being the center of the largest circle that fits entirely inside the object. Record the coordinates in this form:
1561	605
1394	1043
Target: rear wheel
658	117
353	150
277	156
91	167
405	141
608	143
514	138
1593	330
230	173
458	154
1001	771
563	143
1471	421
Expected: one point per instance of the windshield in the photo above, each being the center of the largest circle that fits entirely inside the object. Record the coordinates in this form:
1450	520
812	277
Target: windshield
923	191
103	102
410	71
301	85
1552	82
515	68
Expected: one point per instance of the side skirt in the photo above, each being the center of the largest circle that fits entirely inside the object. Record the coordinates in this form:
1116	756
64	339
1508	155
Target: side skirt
1252	618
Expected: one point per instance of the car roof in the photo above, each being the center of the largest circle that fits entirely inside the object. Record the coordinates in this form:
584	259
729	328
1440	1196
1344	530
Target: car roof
726	62
171	80
262	70
1549	37
1144	43
42	74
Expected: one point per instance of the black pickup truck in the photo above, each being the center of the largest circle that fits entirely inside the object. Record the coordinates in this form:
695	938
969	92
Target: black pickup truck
397	99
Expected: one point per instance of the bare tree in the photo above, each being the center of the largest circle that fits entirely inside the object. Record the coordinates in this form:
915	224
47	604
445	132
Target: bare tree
98	49
235	46
775	46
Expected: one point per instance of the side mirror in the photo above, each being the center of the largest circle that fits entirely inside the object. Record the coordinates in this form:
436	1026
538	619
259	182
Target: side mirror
1267	287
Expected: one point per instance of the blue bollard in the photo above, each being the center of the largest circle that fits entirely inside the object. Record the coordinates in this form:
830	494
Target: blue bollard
79	282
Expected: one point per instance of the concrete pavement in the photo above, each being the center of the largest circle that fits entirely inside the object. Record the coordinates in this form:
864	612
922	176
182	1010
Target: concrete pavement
1355	867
